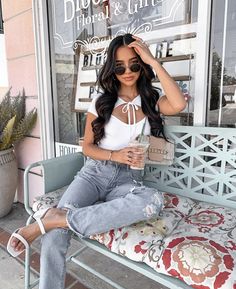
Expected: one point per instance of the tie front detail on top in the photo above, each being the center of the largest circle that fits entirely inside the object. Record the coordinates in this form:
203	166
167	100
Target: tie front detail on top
130	107
117	132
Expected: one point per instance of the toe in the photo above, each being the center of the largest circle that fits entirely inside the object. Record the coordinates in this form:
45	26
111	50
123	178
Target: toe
14	242
19	247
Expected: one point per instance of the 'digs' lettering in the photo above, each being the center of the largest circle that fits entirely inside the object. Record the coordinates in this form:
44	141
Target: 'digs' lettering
69	5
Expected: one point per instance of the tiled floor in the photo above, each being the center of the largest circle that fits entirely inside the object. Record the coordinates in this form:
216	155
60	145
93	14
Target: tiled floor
77	277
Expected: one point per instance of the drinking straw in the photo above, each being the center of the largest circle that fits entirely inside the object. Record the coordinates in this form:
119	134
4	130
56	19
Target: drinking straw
142	132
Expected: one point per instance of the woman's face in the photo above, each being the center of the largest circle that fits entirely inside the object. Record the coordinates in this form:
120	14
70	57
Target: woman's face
125	57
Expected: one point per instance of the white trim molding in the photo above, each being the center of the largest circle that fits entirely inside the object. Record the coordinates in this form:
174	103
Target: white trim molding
202	61
40	24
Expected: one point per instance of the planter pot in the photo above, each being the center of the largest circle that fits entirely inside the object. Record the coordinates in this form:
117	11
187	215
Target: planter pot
8	180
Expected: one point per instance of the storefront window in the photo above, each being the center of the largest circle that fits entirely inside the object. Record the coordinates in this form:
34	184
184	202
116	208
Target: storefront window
80	32
222	84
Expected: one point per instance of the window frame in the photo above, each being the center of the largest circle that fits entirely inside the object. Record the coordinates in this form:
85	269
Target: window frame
1	19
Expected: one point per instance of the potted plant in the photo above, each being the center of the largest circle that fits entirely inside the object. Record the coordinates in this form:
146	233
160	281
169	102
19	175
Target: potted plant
15	124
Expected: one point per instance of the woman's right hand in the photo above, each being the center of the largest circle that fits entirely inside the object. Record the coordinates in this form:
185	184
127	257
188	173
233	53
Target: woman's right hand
123	156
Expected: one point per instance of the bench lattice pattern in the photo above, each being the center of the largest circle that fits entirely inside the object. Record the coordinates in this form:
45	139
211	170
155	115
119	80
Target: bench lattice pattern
205	165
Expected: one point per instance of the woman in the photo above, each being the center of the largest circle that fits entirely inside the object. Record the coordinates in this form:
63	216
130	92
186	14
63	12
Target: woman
114	118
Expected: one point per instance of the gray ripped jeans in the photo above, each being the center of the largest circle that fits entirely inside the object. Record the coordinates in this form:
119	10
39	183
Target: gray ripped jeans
103	196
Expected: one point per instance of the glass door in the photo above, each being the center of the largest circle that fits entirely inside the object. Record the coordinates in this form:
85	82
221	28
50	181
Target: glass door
222	79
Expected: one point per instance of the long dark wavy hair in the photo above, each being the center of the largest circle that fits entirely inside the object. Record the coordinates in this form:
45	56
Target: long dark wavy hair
110	85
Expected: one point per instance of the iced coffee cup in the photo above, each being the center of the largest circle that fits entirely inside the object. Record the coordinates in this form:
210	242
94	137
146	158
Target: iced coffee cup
139	154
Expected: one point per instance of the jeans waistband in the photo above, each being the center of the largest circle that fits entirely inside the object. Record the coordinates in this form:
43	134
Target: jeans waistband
112	163
106	162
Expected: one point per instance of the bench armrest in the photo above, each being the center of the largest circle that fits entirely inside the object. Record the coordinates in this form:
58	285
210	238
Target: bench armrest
57	172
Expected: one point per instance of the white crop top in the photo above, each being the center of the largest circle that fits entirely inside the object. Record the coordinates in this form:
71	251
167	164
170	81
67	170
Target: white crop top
118	133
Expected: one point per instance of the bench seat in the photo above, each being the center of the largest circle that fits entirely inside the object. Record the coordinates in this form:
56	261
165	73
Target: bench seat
192	240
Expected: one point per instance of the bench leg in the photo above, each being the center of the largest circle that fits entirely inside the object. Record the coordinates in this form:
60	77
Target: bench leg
28	285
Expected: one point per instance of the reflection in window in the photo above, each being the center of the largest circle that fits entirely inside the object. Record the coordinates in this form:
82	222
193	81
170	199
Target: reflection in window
222	92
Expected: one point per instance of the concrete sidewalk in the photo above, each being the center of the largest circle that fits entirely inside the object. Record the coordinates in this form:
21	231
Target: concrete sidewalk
12	269
11	272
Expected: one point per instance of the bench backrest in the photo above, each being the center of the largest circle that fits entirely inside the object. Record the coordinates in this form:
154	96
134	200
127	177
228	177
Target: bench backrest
61	171
204	168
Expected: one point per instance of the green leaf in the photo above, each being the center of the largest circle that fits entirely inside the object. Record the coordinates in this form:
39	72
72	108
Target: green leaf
13	108
24	126
7	134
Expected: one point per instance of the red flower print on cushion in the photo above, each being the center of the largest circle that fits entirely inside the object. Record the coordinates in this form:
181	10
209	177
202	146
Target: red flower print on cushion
170	201
204	229
126	234
206	218
220	279
198	259
139	249
175	242
229	262
111	239
231	245
174	273
200	287
104	238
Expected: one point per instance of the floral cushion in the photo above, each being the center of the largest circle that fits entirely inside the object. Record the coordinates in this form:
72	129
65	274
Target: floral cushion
48	200
201	250
193	241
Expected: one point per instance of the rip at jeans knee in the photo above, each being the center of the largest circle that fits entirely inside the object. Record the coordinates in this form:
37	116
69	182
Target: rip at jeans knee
158	199
150	211
132	189
137	189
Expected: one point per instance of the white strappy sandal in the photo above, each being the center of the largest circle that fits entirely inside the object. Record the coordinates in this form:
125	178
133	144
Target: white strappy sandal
37	216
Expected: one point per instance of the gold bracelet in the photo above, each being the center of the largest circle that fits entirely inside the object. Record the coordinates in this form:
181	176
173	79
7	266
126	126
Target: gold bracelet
110	155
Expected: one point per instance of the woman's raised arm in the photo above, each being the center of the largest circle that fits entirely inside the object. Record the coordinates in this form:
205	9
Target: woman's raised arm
173	101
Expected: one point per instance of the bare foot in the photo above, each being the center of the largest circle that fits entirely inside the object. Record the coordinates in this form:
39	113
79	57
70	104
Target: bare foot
54	218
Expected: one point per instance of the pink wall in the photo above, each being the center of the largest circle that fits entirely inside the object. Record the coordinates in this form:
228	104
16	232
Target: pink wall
20	52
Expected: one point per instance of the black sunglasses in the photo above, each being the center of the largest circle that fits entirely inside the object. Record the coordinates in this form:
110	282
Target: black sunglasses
120	69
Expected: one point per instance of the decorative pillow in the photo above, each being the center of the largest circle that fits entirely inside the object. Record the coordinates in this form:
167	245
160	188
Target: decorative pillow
200	262
201	250
144	240
48	200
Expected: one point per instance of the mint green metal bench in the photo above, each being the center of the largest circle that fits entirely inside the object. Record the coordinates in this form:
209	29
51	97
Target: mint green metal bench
204	167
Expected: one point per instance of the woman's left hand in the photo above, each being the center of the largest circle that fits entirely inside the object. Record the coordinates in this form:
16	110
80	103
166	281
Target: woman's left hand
142	50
